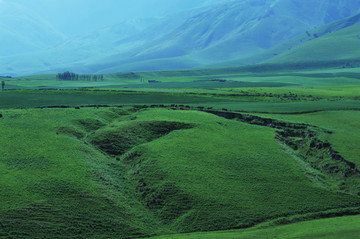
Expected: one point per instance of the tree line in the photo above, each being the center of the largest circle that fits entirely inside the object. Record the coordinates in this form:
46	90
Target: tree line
70	76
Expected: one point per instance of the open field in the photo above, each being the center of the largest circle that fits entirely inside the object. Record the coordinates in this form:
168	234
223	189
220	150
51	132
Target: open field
30	99
275	91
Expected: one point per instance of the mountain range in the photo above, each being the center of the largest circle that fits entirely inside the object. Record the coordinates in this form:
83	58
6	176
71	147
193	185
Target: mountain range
229	33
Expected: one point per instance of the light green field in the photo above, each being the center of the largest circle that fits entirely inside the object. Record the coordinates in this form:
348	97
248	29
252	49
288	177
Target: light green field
345	126
274	92
341	227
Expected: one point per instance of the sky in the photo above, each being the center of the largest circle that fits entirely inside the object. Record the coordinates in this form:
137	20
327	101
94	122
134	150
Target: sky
76	17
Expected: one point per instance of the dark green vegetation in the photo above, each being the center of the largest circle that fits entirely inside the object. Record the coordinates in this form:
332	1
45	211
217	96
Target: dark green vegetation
230	148
26	99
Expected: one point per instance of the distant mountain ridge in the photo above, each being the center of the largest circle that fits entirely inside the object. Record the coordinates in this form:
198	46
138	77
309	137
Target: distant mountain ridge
211	35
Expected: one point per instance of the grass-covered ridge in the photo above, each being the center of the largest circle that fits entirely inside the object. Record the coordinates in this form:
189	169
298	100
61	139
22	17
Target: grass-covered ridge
186	171
119	138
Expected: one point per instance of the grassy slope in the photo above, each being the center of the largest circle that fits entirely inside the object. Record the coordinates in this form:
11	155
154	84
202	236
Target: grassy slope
204	178
336	41
238	180
343	227
340	45
344	124
53	185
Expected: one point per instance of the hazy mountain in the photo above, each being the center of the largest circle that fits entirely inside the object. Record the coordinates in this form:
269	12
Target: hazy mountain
229	31
81	17
220	31
23	31
335	43
76	53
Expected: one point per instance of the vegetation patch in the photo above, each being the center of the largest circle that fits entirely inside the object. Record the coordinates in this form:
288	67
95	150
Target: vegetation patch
71	131
118	139
304	140
346	227
33	163
222	174
90	124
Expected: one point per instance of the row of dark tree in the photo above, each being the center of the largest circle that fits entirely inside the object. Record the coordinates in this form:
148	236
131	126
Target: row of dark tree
70	76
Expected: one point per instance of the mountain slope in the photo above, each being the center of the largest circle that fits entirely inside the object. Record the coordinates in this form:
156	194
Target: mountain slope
334	41
341	46
238	28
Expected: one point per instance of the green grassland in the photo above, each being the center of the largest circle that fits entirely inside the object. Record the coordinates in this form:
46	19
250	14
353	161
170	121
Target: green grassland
197	173
244	89
144	160
343	227
345	126
29	99
246	102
